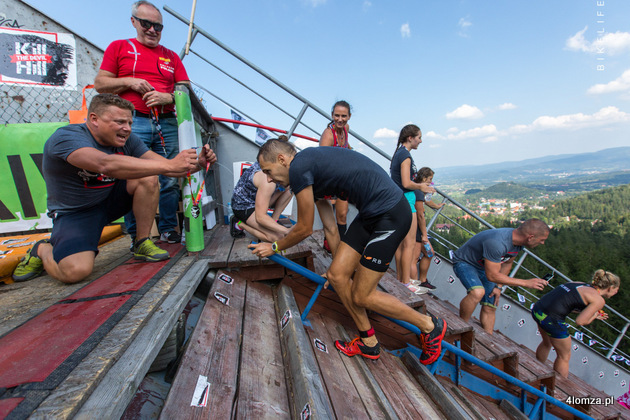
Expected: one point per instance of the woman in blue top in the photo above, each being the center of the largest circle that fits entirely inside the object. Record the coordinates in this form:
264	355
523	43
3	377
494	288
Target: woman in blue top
552	309
402	170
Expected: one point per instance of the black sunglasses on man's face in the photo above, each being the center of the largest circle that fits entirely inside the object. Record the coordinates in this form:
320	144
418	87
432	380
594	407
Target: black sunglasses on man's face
146	24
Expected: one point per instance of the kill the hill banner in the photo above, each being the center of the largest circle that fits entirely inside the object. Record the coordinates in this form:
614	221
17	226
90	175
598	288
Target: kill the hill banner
37	58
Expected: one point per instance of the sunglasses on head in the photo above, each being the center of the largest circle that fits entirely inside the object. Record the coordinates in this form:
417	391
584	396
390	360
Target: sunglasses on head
146	24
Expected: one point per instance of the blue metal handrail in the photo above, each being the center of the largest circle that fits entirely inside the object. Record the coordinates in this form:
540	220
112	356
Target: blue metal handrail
279	259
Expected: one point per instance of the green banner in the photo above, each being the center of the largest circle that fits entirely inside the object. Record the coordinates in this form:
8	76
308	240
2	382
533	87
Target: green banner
23	199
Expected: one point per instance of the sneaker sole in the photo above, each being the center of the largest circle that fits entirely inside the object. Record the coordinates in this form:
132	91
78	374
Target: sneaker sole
26	277
367	356
150	259
438	353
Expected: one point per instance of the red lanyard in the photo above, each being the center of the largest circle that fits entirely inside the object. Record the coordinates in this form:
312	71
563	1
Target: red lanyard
154	117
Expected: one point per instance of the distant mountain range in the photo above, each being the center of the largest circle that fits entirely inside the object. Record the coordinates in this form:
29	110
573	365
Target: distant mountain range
600	169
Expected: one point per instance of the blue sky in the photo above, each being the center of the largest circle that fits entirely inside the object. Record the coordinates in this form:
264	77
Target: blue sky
487	81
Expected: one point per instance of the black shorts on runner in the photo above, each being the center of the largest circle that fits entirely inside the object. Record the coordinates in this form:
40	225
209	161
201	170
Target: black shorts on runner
243	215
378	237
81	230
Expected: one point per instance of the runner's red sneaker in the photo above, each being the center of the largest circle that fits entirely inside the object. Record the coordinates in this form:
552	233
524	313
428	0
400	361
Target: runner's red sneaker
356	346
432	341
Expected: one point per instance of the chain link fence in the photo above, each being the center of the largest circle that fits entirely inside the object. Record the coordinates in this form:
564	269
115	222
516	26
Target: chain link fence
34	104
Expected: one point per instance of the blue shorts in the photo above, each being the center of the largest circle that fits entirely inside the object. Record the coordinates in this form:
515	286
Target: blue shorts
554	327
474	278
411	198
377	238
81	230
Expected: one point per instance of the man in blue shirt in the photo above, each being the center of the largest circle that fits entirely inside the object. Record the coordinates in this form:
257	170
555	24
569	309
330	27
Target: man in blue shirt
483	263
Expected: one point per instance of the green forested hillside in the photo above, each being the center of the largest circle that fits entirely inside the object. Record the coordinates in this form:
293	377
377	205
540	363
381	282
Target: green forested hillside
506	190
607	210
590	231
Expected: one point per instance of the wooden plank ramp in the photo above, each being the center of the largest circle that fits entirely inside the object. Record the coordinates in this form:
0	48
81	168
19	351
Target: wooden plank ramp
351	388
262	388
206	381
306	387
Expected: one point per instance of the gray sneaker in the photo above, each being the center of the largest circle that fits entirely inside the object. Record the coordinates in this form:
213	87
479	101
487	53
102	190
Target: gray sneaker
171	237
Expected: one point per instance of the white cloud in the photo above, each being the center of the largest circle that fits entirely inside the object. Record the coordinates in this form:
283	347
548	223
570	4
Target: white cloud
405	30
605	116
506	106
466	112
485	131
432	135
385	133
366	5
620	84
314	3
464	24
610	43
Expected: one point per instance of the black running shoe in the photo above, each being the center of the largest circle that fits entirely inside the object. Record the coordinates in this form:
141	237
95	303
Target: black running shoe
171	237
432	341
427	285
234	232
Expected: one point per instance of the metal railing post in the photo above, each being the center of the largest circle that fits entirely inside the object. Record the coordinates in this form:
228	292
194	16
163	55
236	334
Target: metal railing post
193	34
618	340
297	120
436	215
518	264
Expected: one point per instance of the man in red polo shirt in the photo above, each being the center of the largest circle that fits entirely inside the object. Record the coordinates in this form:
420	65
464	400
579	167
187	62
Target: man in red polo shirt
144	72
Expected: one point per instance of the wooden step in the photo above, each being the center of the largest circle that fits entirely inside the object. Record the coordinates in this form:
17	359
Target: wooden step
262	390
403	392
306	387
575	387
211	361
351	388
390	284
495	352
93	324
390	335
512	358
457	329
448	404
223	251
